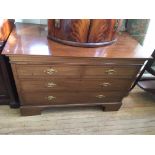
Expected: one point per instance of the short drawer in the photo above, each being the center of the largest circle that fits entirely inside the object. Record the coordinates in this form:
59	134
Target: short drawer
76	71
53	84
47	70
111	71
70	98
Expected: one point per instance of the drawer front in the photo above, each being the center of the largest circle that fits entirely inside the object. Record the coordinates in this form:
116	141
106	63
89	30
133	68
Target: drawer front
112	71
70	98
76	71
47	70
53	84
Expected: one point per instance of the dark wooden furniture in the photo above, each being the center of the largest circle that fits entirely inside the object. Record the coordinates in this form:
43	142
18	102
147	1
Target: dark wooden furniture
8	93
50	74
147	82
84	32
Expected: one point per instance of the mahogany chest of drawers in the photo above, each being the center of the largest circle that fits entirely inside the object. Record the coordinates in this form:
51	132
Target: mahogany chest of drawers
49	74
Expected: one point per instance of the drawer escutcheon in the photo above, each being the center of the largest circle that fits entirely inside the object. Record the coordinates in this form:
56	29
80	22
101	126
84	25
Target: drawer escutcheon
110	71
50	71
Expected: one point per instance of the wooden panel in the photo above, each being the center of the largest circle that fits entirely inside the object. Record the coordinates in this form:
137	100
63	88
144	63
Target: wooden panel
38	98
20	59
81	85
72	30
102	30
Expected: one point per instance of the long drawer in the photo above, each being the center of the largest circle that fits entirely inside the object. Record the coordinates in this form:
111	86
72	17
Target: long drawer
70	98
75	71
53	84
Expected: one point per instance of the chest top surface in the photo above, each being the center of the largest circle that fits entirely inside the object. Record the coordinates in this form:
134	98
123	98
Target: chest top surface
31	40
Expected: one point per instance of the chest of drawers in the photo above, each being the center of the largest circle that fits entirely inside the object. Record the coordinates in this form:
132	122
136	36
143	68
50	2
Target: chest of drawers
49	74
59	83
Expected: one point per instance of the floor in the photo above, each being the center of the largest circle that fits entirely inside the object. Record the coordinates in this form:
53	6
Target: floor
136	116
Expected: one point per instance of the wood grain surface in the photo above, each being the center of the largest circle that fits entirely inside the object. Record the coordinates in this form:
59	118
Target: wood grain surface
83	32
31	39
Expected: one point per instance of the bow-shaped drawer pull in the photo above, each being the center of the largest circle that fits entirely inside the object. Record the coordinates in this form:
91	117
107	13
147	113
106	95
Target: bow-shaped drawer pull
105	84
100	96
110	71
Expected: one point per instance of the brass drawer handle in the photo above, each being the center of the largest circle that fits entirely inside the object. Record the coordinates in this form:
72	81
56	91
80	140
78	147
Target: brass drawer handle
50	71
105	84
51	84
100	96
110	71
51	98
